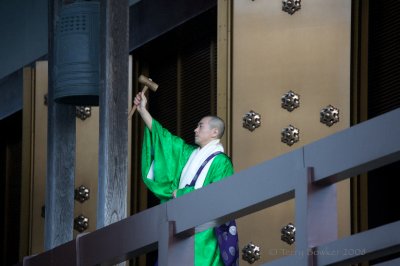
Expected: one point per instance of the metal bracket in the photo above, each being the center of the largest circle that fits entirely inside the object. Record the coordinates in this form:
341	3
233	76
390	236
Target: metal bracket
82	194
329	115
288	233
290	135
251	120
290	101
81	223
291	6
83	112
251	253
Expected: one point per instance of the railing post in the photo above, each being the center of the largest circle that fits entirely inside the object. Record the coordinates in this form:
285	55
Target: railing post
78	249
172	249
316	217
26	260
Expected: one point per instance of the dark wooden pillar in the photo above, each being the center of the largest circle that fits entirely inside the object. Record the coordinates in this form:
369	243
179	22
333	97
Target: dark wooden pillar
60	156
113	150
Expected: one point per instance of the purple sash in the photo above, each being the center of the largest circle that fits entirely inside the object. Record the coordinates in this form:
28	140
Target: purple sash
228	241
201	168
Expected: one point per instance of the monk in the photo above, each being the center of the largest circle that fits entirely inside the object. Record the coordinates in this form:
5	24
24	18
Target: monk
171	168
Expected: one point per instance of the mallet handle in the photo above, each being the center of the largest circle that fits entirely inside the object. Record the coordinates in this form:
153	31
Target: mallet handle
132	111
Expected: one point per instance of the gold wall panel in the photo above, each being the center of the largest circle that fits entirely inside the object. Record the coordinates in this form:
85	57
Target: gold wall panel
86	168
274	52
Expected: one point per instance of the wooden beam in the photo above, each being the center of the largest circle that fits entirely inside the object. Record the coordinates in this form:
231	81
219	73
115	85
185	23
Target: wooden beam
61	155
113	102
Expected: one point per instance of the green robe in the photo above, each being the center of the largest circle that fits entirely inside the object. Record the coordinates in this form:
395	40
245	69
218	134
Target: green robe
170	154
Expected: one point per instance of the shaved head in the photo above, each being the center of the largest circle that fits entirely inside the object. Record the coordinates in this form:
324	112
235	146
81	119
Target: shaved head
218	123
208	129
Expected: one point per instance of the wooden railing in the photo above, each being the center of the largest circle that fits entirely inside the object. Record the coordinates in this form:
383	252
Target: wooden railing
307	174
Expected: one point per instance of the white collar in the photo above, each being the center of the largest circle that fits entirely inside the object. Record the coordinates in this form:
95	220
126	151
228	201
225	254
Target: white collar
195	160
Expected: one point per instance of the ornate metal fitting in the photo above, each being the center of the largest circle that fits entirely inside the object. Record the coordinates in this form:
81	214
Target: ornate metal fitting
83	112
290	101
81	223
251	120
290	135
329	115
288	234
82	194
291	6
251	253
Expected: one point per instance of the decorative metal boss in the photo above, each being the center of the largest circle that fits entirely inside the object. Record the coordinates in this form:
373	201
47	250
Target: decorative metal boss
329	115
251	253
83	112
288	233
290	101
82	194
81	223
291	6
290	135
251	120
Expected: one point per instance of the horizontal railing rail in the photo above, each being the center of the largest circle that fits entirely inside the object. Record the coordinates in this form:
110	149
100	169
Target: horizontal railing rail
307	174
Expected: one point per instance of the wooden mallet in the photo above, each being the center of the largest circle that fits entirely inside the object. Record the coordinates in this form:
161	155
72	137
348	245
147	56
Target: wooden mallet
148	83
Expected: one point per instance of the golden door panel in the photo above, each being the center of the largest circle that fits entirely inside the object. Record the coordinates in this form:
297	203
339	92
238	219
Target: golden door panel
274	53
86	168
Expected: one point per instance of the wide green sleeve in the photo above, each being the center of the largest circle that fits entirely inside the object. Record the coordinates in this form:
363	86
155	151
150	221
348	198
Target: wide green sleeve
169	154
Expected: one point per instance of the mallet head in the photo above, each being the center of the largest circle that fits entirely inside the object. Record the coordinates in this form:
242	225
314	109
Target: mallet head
148	82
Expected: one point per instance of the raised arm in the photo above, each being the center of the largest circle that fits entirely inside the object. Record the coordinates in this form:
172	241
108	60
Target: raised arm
141	101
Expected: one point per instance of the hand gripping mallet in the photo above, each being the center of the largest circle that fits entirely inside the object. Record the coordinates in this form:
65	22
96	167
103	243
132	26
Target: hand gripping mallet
148	83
